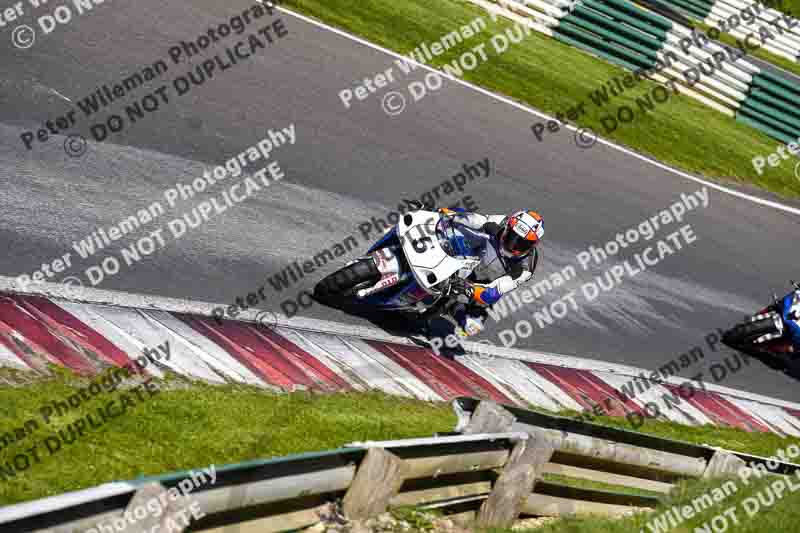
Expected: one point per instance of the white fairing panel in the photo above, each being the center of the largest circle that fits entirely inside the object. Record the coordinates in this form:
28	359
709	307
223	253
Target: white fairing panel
429	262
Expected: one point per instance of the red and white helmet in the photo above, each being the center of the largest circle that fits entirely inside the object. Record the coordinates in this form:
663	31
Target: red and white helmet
521	234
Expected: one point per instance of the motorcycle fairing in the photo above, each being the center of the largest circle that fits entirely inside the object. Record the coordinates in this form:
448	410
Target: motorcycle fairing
791	304
391	234
429	262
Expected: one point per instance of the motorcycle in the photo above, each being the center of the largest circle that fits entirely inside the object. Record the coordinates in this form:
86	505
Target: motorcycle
769	332
414	267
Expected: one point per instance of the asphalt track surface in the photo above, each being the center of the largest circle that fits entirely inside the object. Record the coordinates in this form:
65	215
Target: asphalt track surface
346	166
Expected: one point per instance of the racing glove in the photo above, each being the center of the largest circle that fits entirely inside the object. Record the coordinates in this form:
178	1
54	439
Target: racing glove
460	286
493	229
472	326
474	293
450	212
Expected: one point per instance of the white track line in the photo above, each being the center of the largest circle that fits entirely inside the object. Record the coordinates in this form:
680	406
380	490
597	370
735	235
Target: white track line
61	95
532	111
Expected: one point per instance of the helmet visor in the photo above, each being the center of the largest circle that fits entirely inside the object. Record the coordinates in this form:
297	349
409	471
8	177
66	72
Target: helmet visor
516	244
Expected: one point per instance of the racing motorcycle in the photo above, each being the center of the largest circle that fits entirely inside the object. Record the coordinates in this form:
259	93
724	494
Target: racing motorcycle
416	266
767	332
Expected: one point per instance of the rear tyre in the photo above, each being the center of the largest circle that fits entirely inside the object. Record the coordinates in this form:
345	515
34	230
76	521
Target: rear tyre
344	282
747	333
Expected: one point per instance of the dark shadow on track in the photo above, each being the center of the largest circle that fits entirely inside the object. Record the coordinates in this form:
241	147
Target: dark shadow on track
787	363
418	330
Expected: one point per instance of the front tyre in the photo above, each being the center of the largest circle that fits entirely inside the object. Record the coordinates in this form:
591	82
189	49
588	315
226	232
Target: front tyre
746	334
344	282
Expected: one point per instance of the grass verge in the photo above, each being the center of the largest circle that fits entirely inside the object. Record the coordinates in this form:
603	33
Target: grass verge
555	77
763	444
192	426
559	479
790	7
186	425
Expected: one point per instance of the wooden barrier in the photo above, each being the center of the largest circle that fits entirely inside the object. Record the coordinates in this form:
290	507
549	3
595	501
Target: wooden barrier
490	478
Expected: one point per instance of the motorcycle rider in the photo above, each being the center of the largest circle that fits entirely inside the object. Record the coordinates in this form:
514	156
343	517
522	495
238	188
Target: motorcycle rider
791	317
508	250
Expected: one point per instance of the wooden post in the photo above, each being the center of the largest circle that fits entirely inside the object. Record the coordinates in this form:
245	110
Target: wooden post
516	482
489	417
378	479
143	509
723	464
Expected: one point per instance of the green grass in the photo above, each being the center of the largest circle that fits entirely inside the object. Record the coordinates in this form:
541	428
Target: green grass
763	444
559	479
791	7
419	521
189	425
555	77
783	515
199	425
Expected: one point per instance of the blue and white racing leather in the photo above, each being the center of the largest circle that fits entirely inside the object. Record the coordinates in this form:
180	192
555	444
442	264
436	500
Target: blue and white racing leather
496	275
791	316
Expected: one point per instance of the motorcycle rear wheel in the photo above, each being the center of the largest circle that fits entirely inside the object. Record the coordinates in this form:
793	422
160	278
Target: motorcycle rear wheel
344	282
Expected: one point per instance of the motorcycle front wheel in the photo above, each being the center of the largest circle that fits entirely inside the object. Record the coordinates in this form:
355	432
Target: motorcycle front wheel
746	334
344	282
